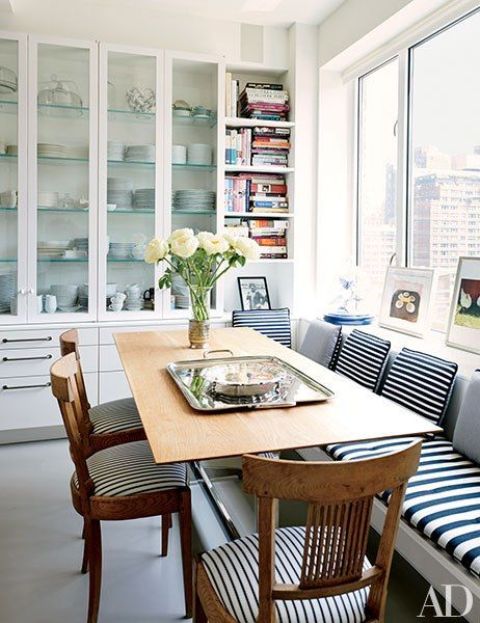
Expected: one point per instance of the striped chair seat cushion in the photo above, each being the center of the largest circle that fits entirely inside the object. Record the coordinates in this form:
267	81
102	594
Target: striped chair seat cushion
115	416
362	358
129	469
274	323
233	572
420	382
442	499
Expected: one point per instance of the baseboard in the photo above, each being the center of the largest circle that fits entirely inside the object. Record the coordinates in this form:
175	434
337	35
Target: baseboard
23	435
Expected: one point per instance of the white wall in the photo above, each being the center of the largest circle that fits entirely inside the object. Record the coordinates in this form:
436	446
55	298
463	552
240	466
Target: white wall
84	19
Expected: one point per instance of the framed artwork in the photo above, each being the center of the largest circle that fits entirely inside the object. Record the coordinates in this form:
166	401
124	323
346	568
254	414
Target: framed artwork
253	293
464	321
406	299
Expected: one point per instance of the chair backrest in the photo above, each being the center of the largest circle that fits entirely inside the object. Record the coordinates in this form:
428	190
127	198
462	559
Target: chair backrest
63	374
69	344
320	342
340	498
362	358
274	323
420	382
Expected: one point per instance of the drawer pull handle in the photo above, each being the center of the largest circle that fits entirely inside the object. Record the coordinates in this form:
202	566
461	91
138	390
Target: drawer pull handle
11	387
7	340
27	358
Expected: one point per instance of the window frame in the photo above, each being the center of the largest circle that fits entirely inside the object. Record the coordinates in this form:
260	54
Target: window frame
404	204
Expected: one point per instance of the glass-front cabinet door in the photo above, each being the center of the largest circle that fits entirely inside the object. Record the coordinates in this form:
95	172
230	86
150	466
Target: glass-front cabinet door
193	145
130	190
63	186
13	183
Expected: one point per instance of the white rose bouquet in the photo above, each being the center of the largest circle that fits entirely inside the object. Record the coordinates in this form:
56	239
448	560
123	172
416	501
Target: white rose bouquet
200	260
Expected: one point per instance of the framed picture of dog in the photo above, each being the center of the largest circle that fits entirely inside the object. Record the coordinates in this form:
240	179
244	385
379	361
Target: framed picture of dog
464	320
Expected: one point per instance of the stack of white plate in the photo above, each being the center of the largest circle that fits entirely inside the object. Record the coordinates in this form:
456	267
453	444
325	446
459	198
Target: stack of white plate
50	150
81	244
144	199
83	295
194	200
115	150
52	248
199	153
76	151
134	302
179	154
47	199
7	290
66	295
121	250
120	192
140	153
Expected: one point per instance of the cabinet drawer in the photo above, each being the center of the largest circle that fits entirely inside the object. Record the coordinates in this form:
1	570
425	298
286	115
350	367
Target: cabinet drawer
41	338
109	359
113	385
29	403
37	361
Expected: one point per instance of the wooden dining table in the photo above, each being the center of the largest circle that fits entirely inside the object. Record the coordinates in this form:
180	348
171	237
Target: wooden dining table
178	433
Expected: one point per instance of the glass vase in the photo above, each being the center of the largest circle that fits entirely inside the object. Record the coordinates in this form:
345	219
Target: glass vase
199	325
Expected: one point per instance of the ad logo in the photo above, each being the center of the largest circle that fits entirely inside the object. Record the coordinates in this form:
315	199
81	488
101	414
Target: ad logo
432	606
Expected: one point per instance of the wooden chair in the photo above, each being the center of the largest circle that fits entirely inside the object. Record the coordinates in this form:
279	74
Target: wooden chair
315	573
120	482
107	424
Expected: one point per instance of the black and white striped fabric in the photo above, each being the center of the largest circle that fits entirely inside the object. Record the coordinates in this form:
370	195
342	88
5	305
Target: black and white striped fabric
129	469
442	499
233	572
274	323
115	416
362	358
420	382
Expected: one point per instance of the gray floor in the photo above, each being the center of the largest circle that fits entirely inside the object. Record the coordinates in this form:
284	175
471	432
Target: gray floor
40	554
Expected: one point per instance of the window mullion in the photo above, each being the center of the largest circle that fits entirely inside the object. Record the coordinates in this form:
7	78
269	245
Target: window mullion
402	159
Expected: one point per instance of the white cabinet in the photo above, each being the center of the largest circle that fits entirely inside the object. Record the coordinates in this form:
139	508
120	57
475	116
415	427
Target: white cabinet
13	179
62	172
113	386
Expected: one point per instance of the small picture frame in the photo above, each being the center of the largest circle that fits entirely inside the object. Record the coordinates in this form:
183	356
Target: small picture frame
405	305
253	293
464	320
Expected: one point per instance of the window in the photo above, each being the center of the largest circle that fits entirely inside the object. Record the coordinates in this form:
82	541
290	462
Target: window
377	171
443	157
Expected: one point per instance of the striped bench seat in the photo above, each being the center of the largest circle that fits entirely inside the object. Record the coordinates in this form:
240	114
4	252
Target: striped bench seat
443	498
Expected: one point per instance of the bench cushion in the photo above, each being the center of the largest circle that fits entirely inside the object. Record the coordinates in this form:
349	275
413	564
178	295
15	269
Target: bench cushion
466	437
362	358
421	383
130	469
233	571
442	499
115	416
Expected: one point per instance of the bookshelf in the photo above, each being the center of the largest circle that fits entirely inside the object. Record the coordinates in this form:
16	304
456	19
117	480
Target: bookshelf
279	272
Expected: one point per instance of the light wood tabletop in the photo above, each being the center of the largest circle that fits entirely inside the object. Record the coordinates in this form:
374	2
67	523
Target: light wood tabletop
176	432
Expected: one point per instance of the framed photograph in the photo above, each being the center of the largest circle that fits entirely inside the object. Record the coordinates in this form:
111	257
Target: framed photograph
253	293
406	299
464	321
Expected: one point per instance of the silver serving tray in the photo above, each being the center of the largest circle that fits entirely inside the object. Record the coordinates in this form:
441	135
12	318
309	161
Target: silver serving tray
211	385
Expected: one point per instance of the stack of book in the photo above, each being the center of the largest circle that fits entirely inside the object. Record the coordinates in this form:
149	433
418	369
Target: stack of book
237	227
256	193
271	236
264	101
238	146
231	95
270	146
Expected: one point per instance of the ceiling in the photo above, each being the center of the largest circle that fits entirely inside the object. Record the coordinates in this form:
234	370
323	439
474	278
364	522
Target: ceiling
264	12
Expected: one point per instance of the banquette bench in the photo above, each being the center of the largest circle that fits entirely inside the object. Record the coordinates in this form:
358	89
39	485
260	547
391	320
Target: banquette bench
440	529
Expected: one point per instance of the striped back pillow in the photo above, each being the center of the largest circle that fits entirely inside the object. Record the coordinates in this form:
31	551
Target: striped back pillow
422	383
362	358
274	323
